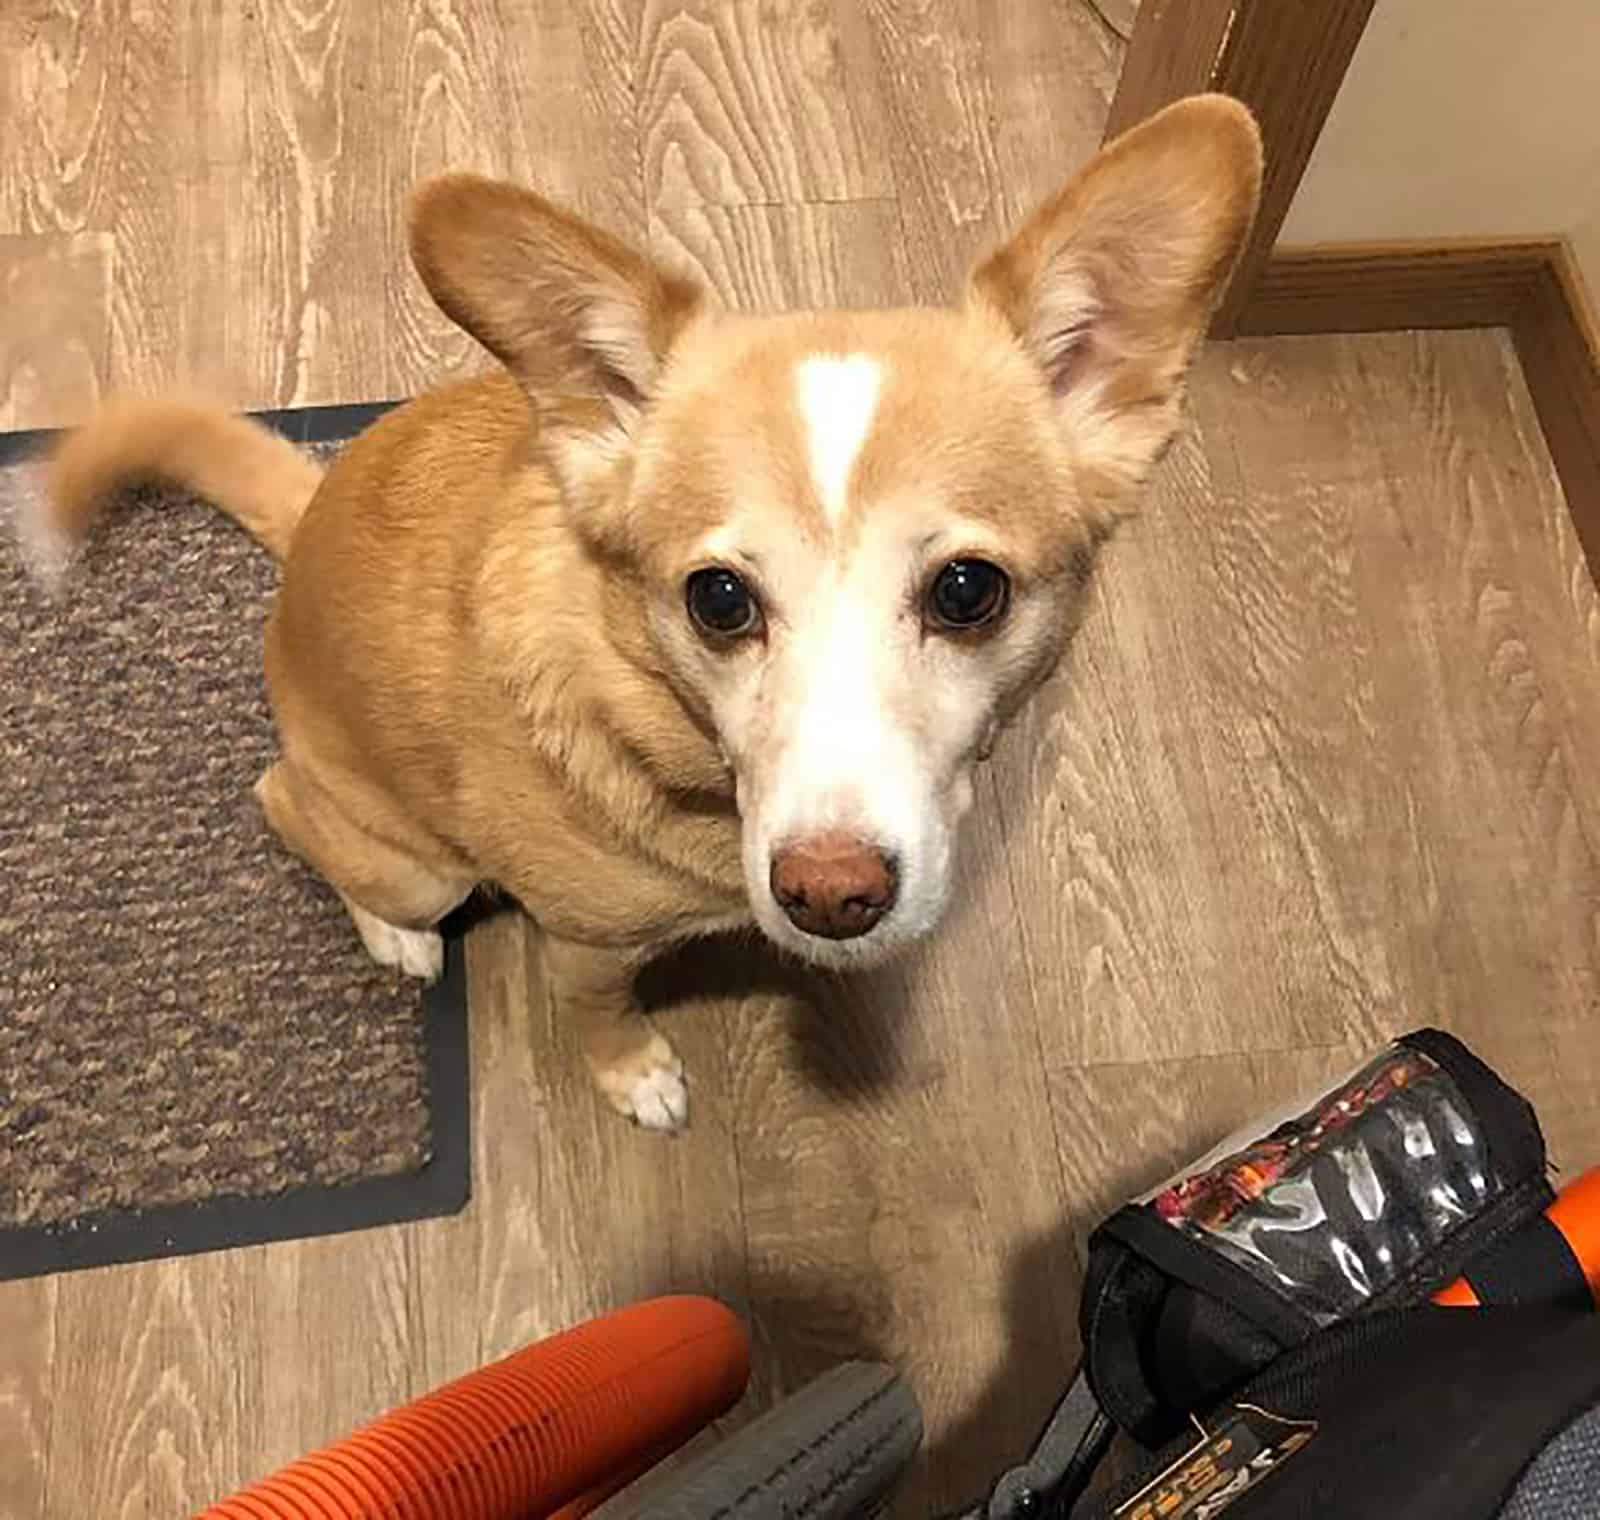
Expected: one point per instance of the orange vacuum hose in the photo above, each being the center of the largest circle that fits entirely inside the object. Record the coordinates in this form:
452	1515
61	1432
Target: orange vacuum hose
564	1422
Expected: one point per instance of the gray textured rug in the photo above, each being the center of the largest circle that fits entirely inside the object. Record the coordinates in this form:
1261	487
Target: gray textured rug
185	1012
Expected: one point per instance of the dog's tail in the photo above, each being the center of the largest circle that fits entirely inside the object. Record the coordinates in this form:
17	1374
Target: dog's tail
258	478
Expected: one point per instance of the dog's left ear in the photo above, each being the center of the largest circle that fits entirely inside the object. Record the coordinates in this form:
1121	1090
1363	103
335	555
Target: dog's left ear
1112	282
582	320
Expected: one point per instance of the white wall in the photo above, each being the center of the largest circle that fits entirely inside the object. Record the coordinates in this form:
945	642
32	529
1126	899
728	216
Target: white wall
1463	118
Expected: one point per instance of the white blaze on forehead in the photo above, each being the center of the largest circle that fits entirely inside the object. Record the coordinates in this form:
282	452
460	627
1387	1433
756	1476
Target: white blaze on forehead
835	730
837	396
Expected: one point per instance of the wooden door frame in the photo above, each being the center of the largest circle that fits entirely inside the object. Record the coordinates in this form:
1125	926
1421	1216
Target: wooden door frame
1286	60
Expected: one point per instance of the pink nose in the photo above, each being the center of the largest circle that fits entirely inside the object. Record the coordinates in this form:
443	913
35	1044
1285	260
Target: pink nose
834	885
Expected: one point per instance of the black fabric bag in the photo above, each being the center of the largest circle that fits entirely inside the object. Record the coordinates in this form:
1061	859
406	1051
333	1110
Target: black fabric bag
1263	1323
1368	1198
1417	1414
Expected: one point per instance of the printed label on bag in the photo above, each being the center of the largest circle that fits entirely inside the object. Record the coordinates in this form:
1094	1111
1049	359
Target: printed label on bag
1249	1444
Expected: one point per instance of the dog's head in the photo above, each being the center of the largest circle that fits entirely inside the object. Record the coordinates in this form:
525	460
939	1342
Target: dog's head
856	539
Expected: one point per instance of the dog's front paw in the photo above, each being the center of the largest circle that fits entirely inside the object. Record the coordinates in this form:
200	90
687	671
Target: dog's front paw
648	1087
415	952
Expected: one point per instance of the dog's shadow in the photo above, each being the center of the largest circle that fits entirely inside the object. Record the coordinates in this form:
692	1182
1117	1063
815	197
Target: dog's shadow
801	1326
845	1033
844	1030
997	1432
1043	1348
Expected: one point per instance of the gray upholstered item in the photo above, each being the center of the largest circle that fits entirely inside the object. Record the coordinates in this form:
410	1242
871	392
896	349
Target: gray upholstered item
1563	1482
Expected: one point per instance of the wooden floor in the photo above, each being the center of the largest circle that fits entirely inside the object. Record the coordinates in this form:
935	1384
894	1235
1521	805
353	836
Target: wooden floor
1324	764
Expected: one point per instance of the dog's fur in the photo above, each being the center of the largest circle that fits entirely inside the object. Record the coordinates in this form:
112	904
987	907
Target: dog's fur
481	663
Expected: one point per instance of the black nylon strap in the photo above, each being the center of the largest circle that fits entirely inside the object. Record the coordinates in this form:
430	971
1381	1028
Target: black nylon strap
1535	1265
1507	1119
1208	1271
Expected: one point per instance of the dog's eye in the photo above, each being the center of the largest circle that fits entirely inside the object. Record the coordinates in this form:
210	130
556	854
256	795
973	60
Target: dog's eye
721	603
967	593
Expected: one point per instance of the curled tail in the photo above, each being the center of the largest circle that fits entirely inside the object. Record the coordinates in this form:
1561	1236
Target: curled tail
258	478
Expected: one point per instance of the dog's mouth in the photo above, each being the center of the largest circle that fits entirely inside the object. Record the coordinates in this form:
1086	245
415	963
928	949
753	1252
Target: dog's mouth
860	952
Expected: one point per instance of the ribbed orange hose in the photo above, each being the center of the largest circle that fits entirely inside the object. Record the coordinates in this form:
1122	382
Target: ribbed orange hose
568	1419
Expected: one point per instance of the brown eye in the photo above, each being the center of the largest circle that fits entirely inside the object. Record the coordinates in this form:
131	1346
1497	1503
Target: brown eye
720	603
967	593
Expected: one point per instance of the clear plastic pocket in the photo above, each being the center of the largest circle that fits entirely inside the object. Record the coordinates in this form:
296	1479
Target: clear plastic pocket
1341	1200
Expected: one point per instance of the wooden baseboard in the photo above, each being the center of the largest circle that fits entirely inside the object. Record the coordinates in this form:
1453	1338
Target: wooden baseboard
1559	346
1381	287
1531	286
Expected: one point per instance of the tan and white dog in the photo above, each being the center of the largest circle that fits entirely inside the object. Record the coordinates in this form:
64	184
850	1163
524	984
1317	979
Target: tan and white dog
685	619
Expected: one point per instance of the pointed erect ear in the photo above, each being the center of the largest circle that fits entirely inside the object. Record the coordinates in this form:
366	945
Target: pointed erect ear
1111	283
575	314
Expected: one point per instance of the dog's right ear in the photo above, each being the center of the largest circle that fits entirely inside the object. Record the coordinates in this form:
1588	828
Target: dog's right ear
575	314
1111	283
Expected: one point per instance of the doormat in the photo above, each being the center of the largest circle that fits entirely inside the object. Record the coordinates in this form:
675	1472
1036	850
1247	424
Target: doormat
195	1050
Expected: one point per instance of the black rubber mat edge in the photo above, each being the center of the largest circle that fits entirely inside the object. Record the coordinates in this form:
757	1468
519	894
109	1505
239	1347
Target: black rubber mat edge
301	424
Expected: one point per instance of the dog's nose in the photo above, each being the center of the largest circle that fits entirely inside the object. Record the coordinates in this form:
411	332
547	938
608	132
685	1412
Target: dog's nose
834	886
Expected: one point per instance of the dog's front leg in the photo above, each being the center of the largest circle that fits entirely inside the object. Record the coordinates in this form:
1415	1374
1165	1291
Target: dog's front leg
634	1066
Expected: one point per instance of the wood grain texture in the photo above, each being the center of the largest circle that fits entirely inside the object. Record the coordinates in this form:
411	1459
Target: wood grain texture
1175	49
1447	820
338	1311
55	341
563	1190
1530	752
1530	285
151	1419
1320	767
1162	886
542	92
1118	16
143	69
938	101
775	258
1060	67
27	1401
310	77
56	85
746	104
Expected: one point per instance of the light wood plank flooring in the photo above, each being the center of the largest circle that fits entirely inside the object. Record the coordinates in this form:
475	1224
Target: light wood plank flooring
1324	763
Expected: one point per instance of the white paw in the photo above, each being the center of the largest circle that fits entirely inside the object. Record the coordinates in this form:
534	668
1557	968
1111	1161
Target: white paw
650	1088
418	952
415	952
660	1099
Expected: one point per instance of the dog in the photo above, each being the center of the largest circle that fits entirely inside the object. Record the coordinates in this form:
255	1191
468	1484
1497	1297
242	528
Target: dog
682	620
